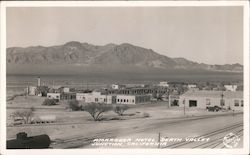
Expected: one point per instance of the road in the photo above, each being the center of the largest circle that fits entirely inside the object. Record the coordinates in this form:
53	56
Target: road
212	128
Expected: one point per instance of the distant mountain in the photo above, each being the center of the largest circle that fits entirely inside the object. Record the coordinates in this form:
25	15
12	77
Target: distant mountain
75	56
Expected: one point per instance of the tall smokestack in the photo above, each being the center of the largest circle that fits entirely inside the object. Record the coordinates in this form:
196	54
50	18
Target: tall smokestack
38	81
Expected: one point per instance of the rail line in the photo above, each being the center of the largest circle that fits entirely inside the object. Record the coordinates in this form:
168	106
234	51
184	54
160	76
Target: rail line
84	140
214	142
111	134
217	141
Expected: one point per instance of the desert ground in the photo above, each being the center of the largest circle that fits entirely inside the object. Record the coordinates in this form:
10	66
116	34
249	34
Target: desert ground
76	129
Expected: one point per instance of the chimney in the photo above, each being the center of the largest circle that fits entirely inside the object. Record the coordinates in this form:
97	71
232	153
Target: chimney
38	81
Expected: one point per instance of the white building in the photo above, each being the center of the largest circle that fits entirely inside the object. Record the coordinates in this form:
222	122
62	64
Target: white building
117	86
66	90
163	84
95	97
208	98
190	86
31	90
230	87
54	96
80	96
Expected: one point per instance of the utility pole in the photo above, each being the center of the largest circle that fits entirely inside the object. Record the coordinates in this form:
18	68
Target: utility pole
169	100
184	108
222	100
159	140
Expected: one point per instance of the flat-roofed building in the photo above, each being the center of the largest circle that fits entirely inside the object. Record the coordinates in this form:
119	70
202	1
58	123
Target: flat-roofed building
68	96
231	87
209	98
96	97
132	99
54	96
163	84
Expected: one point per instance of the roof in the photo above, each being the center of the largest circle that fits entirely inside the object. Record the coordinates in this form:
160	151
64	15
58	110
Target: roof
213	94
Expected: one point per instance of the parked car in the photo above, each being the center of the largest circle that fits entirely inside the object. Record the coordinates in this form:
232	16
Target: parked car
214	108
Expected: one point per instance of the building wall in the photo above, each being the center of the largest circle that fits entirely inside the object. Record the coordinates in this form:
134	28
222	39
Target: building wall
111	99
192	86
96	97
125	99
66	90
32	90
115	86
68	96
54	96
163	84
142	99
80	96
203	102
132	99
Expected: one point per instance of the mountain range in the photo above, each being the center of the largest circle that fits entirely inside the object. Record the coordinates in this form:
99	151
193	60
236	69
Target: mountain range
75	57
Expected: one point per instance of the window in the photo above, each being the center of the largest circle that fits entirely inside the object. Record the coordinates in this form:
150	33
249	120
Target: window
242	103
127	100
236	103
124	100
118	100
96	99
105	100
208	101
192	103
49	96
133	101
57	96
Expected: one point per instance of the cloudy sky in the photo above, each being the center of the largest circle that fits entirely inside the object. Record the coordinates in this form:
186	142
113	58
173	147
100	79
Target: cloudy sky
212	35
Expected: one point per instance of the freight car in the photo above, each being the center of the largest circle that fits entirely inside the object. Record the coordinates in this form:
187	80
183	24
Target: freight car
22	141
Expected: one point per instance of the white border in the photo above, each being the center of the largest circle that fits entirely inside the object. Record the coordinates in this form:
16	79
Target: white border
5	4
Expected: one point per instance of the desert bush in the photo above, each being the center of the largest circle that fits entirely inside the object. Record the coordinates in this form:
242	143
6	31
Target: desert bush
120	109
74	105
24	115
96	110
50	102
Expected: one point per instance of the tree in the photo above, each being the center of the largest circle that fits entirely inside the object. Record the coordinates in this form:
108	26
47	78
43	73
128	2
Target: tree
96	110
50	102
119	109
25	115
74	105
42	90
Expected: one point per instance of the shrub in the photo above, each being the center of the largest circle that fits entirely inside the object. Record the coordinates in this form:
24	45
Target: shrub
24	115
50	102
74	105
119	109
96	110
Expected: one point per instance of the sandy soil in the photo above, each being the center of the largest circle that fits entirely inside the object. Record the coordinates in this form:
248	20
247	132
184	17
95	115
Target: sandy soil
72	125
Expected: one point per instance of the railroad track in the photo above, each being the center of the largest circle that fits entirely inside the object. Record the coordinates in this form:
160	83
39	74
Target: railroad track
81	141
216	138
84	140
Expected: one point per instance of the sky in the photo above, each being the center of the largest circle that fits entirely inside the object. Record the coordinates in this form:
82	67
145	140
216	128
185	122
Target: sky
212	35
